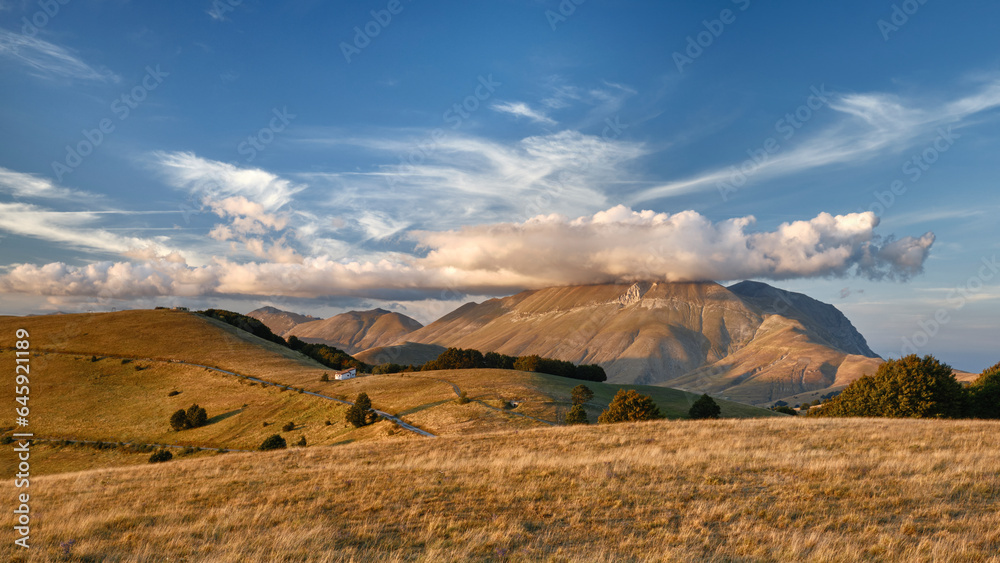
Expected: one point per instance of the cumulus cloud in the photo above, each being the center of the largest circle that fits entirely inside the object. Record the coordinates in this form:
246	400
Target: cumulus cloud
614	245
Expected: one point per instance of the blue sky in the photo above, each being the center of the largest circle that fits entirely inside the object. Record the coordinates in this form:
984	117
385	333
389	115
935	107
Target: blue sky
415	155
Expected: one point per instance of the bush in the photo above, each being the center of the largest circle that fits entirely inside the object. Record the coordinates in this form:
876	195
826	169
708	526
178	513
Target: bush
173	393
197	417
704	407
629	406
179	421
786	410
360	413
273	442
7	440
985	394
463	398
577	415
910	387
581	394
325	377
160	456
302	442
288	427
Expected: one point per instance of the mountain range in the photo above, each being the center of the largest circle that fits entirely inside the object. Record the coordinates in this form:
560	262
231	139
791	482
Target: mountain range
749	342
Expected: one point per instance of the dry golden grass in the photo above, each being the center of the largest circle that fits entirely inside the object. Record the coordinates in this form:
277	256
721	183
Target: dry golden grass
730	490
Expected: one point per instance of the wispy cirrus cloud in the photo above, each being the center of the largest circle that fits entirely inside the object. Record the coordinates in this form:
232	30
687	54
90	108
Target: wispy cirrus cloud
521	109
48	60
870	125
31	186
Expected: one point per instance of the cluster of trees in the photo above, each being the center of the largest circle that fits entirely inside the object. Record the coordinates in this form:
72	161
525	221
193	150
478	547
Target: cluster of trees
577	415
193	417
915	387
327	355
458	358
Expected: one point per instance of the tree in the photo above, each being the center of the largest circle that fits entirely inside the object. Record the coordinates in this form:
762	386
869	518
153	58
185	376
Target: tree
591	372
302	442
179	421
785	409
273	442
704	407
196	416
581	394
528	363
456	358
288	427
325	377
160	456
910	387
361	413
629	406
985	394
498	361
577	415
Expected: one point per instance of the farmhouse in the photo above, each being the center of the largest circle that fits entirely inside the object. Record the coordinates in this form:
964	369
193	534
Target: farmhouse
346	374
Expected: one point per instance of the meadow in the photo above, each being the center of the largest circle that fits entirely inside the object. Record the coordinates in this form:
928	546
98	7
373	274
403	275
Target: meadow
774	489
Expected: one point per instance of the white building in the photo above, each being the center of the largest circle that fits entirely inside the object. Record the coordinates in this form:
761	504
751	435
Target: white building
346	374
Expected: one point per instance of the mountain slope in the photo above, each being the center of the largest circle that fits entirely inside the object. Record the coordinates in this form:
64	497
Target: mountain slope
356	330
280	322
751	342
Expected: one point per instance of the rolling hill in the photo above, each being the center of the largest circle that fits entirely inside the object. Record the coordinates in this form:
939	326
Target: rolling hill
355	331
280	322
750	342
117	377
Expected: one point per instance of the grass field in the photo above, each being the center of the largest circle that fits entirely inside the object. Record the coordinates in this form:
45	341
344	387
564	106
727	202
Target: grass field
776	489
110	376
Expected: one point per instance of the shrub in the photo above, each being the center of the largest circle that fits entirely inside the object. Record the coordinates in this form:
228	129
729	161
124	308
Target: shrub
197	417
179	421
273	442
160	456
7	440
325	377
328	423
628	406
302	442
581	394
288	427
361	413
173	393
463	398
908	387
786	410
577	415
704	407
985	394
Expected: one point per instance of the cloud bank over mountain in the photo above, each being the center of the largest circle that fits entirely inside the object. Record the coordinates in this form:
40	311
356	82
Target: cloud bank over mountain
618	244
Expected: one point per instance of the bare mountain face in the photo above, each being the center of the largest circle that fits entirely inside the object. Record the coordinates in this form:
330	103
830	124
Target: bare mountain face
355	331
279	321
750	342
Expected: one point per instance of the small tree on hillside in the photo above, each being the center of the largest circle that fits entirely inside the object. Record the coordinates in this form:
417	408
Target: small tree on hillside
577	415
361	413
160	456
705	407
197	416
273	442
985	394
179	421
581	394
629	406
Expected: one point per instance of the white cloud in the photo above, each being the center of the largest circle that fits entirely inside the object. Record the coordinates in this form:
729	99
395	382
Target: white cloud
31	186
47	59
871	125
614	245
521	109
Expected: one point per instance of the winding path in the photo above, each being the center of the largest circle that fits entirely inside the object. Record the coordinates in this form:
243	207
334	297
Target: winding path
381	414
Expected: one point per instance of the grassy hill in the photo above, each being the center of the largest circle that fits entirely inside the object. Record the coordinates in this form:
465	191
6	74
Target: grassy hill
110	377
731	490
